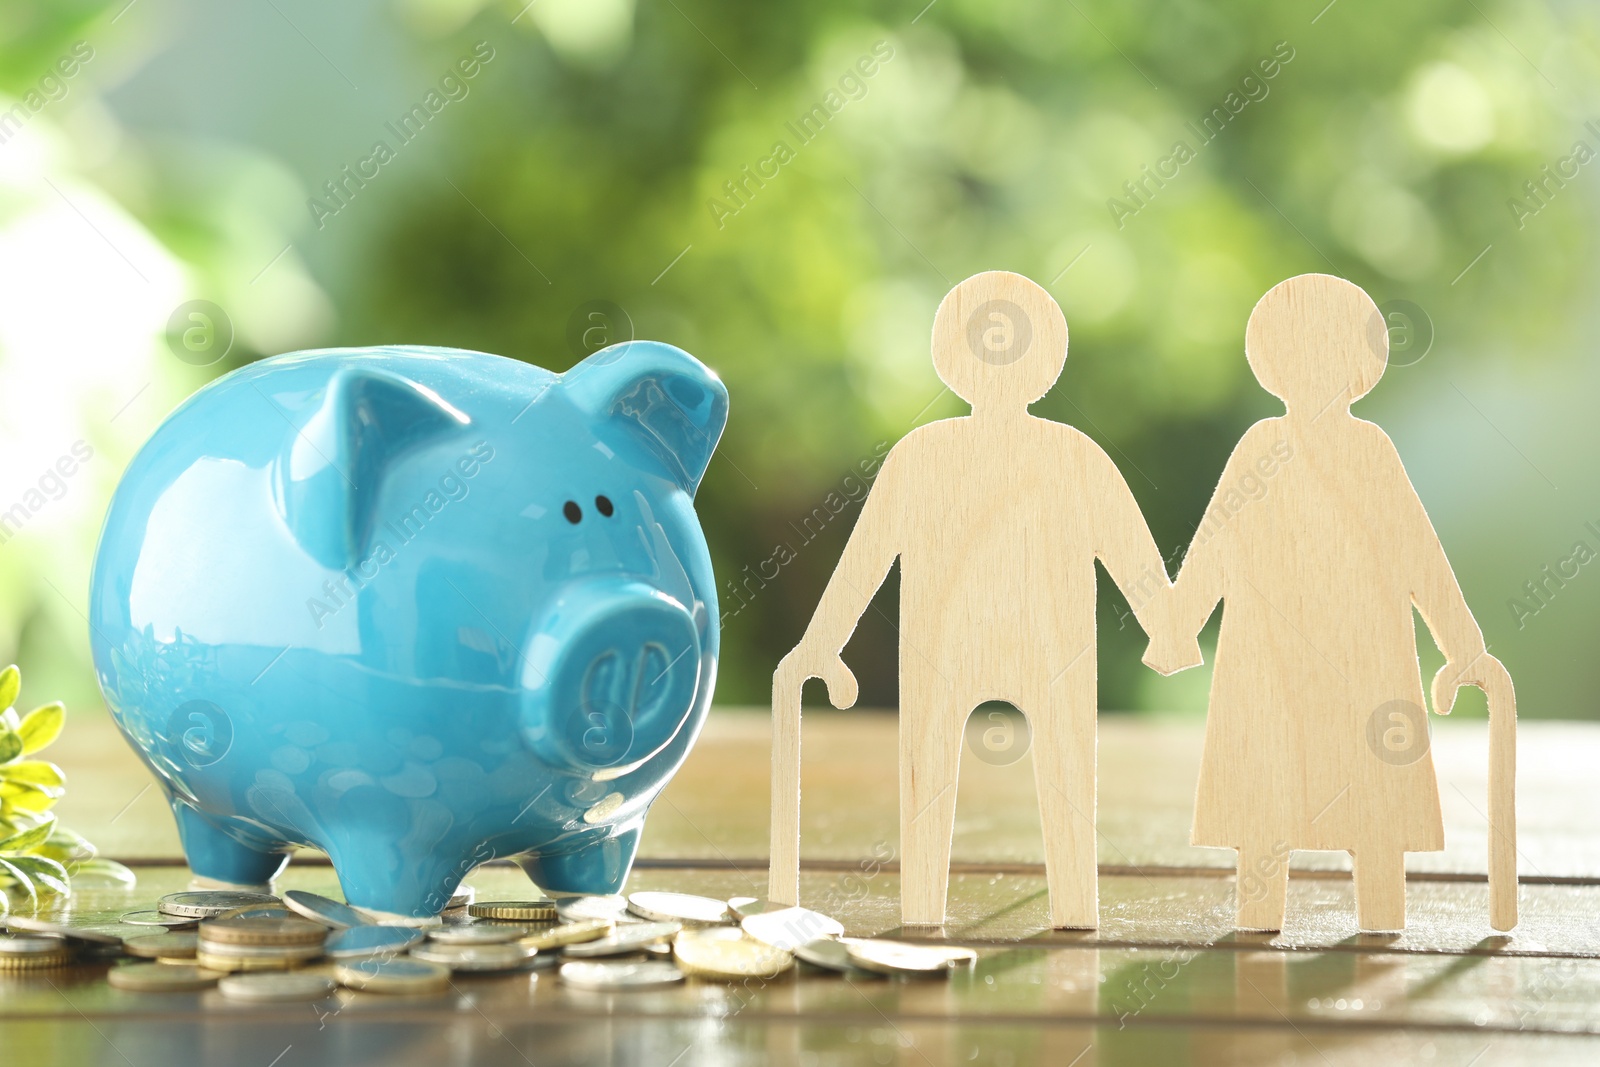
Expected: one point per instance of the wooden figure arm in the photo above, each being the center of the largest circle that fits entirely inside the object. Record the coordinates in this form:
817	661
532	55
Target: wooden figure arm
1193	597
871	550
1437	596
1124	546
868	555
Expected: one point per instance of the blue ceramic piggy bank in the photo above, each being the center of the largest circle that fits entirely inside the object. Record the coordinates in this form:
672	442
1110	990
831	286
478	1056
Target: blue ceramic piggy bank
419	608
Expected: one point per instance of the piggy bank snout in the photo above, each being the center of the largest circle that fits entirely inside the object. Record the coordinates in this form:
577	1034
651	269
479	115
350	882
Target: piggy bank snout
609	676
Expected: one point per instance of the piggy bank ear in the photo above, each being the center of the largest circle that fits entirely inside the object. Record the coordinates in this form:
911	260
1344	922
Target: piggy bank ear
329	474
657	396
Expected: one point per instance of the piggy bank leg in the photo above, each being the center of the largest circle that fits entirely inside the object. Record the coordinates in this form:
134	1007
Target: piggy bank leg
220	859
399	886
596	869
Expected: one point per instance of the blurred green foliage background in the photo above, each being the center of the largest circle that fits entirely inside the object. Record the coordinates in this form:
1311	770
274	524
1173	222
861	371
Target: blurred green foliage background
588	160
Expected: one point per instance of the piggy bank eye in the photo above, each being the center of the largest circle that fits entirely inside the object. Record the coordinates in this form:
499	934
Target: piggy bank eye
572	511
604	506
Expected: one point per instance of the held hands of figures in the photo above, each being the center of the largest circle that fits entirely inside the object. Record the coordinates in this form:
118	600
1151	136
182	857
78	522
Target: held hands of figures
1168	653
1483	670
805	662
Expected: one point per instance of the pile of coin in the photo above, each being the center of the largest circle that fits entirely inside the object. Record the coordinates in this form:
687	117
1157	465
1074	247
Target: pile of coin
21	953
258	944
39	944
735	940
256	947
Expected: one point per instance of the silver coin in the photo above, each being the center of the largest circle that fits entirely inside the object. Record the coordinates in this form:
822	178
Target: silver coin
55	929
481	933
612	907
32	946
275	910
742	907
787	928
830	955
632	937
151	917
898	957
685	908
325	910
275	985
203	905
620	974
461	898
355	942
475	957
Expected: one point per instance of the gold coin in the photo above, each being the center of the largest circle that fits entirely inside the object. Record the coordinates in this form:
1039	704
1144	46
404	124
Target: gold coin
726	953
231	964
35	963
263	931
30	947
515	910
163	946
400	975
572	933
160	977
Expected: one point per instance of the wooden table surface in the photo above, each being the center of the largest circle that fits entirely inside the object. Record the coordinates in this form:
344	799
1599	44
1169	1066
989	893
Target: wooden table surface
1164	980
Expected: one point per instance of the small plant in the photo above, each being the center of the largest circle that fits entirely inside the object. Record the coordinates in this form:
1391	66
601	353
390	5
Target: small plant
37	854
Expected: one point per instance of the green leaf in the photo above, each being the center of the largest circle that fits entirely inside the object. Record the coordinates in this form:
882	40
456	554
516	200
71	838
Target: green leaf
29	839
10	685
99	873
42	725
66	846
10	745
19	796
34	772
19	877
45	873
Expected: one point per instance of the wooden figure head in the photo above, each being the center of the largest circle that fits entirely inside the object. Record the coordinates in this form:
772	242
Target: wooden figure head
999	342
1314	338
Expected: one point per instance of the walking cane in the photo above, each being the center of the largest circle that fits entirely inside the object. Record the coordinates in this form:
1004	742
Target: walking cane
1502	701
783	877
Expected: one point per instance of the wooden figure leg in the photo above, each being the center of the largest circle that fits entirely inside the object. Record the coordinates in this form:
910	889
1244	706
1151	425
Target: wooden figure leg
931	730
1064	767
1263	887
1380	876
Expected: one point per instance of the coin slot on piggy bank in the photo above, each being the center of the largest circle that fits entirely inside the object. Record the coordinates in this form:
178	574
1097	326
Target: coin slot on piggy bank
609	676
